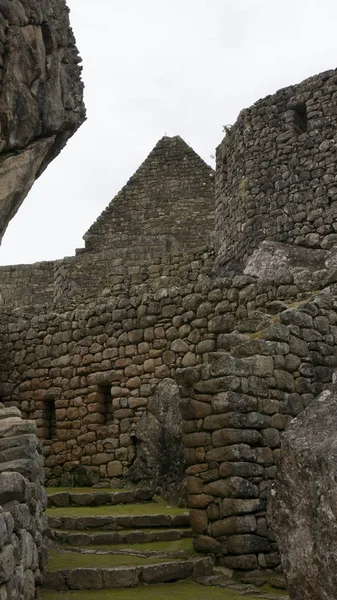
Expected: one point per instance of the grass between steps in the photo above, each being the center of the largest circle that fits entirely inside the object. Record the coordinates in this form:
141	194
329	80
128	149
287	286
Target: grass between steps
88	490
150	508
172	546
126	530
182	590
59	561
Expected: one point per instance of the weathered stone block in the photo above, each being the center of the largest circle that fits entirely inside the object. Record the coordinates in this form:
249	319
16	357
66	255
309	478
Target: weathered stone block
82	579
284	380
225	364
205	543
199	521
194	485
231	525
192	409
223	437
7	562
222	324
241	469
122	577
195	440
199	500
13	486
239	506
247	544
167	572
237	420
236	487
234	453
232	401
217	384
115	468
246	562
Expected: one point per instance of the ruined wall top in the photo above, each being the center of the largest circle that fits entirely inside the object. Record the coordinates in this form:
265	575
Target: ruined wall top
276	173
157	228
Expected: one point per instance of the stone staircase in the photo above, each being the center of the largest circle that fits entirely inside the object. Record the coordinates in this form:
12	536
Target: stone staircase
106	539
101	540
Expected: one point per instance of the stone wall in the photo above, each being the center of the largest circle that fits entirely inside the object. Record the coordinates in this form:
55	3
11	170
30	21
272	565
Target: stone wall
166	207
276	173
90	276
24	285
124	344
23	552
96	275
237	406
118	346
247	354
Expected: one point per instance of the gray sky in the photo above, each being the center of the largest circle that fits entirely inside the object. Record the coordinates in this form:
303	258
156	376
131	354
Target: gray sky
156	67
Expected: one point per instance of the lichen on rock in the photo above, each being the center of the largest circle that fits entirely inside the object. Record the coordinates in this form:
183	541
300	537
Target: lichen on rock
41	94
302	506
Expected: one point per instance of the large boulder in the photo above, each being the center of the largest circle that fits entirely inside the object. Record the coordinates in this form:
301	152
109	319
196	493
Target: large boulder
160	454
303	501
41	94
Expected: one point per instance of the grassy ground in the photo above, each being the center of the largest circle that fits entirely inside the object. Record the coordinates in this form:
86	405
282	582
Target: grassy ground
184	590
59	560
88	490
151	508
174	546
123	531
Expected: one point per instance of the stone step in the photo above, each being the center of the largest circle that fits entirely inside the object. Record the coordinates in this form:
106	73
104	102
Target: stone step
90	497
118	571
113	518
126	536
182	548
179	590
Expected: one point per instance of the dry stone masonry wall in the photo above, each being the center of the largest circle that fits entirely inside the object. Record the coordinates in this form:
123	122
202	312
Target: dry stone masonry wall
276	175
86	377
236	408
166	206
23	524
141	341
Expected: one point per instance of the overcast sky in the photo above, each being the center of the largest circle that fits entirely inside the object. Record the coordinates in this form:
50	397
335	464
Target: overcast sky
156	67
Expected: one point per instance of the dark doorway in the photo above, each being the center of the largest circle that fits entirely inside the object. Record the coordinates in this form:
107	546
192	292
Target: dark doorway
104	396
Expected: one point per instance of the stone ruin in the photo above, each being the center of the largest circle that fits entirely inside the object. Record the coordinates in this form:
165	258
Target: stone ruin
200	319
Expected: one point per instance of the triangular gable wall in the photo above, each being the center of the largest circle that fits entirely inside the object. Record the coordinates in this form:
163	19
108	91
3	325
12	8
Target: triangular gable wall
166	206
